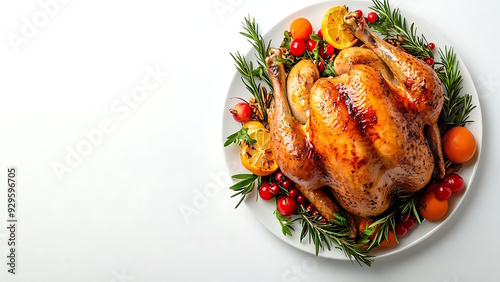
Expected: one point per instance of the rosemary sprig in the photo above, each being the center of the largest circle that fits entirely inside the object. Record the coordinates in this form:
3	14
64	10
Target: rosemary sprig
286	222
405	204
324	234
386	223
394	27
408	204
456	107
245	186
238	137
251	31
248	77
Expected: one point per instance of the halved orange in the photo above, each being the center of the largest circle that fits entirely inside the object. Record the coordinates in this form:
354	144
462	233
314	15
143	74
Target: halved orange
258	157
333	29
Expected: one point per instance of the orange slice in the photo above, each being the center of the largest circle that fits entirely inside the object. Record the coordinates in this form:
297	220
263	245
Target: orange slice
252	125
333	29
258	157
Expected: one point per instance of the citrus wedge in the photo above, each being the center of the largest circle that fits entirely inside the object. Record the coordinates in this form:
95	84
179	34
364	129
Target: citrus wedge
333	29
258	157
252	125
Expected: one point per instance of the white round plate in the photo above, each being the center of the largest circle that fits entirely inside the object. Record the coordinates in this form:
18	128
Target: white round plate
263	210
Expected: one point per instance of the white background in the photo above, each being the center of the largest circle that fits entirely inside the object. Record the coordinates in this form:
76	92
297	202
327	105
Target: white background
114	214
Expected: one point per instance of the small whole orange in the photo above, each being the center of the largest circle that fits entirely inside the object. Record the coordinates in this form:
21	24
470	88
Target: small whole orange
301	29
459	144
431	208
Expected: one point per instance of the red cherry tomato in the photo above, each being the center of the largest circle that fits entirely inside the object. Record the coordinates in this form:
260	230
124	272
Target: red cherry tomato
286	183
429	61
294	193
360	13
322	219
287	205
431	45
321	67
310	45
297	47
441	191
408	221
401	228
455	182
264	192
372	17
322	53
274	188
242	112
320	34
310	208
279	176
301	199
329	50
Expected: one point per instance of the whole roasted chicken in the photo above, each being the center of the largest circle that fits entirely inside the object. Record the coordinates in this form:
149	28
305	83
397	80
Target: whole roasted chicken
367	134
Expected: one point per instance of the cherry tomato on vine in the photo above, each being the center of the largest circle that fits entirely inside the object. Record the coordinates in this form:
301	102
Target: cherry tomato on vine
294	193
301	199
279	176
301	29
297	47
455	182
264	192
286	183
287	205
242	112
274	188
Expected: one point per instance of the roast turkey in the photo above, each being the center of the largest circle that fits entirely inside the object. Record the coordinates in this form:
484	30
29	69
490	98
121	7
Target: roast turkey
367	134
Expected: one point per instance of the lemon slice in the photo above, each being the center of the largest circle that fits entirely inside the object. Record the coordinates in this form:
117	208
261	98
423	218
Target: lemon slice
333	29
258	158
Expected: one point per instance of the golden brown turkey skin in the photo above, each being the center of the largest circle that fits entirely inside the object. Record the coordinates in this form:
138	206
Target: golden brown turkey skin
369	149
363	135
